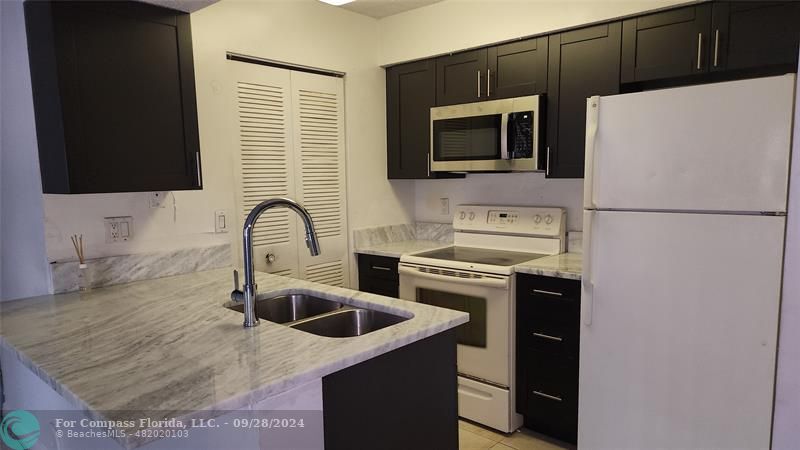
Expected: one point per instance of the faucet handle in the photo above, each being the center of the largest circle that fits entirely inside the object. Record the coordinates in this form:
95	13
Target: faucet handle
237	295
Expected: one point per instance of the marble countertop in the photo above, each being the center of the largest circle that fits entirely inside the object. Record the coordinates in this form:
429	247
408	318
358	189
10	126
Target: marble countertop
168	346
564	265
398	249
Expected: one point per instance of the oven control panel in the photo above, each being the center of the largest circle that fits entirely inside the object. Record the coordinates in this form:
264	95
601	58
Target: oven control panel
520	220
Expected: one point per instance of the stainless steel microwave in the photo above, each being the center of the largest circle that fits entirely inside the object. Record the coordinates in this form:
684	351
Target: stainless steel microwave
492	136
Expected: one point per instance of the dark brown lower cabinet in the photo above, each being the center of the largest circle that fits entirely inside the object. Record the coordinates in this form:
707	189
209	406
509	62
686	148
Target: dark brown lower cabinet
378	275
404	399
548	321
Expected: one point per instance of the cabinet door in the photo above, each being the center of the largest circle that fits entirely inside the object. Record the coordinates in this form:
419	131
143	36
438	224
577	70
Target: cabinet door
754	34
410	94
667	44
517	69
581	63
461	78
114	93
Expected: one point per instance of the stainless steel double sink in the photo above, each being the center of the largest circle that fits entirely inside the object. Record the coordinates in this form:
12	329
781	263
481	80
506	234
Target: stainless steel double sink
320	316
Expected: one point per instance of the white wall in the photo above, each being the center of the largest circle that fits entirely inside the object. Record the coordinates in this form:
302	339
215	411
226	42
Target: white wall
786	433
502	189
458	24
301	31
23	262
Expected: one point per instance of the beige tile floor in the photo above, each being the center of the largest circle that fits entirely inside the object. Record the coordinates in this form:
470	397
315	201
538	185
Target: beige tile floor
472	436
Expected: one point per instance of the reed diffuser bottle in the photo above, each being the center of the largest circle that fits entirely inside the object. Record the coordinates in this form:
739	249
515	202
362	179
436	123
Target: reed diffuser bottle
84	272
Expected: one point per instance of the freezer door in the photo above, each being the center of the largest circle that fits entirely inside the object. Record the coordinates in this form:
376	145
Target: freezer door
713	147
679	330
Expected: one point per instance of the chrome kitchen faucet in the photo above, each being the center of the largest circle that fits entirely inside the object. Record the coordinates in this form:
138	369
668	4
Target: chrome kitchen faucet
249	290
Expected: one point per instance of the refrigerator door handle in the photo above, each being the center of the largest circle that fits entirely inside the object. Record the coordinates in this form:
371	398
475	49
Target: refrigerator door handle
587	297
592	107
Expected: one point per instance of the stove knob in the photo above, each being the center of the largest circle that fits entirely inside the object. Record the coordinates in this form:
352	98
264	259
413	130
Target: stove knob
537	219
548	219
462	215
471	216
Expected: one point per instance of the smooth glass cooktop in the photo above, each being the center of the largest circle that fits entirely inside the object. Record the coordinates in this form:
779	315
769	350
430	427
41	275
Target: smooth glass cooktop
480	256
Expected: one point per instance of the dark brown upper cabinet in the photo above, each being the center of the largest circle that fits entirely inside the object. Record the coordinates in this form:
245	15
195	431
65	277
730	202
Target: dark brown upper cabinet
667	44
582	63
754	34
114	97
461	78
410	94
517	69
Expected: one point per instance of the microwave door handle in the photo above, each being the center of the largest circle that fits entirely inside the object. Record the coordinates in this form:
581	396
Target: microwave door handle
504	136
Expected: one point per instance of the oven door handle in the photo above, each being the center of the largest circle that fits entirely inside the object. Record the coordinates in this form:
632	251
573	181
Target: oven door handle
487	282
504	136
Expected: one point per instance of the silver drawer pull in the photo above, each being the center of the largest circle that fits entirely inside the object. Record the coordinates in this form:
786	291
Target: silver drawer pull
555	294
381	268
547	336
551	397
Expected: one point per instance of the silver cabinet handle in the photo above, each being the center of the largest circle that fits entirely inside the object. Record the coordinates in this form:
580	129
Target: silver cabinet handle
271	258
555	294
547	163
381	268
716	47
479	84
551	397
547	336
488	86
699	49
429	163
197	165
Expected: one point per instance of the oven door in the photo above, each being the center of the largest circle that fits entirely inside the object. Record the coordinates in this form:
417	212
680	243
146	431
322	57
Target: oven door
484	343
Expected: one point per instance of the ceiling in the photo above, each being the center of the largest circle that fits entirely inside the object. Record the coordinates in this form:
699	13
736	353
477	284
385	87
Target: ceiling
383	8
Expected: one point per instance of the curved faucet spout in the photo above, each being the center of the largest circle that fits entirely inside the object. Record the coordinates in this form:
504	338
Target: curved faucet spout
249	288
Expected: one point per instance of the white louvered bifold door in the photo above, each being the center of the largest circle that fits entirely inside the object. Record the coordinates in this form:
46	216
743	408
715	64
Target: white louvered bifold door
319	158
265	163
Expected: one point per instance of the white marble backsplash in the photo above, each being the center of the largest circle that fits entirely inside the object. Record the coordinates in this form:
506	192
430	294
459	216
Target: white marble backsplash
112	270
429	231
432	231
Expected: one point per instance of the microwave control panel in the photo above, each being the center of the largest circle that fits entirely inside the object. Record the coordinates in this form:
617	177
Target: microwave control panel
519	220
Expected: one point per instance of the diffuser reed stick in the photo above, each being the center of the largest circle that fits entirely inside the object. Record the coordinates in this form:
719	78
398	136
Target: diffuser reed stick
77	242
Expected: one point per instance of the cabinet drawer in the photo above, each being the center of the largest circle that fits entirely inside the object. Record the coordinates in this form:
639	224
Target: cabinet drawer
552	396
544	300
551	338
381	267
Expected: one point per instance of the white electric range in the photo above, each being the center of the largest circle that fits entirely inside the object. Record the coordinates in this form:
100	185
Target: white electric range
475	275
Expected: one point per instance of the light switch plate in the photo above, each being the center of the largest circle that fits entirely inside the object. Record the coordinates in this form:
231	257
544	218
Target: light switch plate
118	229
220	221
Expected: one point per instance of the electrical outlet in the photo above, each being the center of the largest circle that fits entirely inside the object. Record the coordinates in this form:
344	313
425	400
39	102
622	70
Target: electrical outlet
220	221
444	206
157	199
118	229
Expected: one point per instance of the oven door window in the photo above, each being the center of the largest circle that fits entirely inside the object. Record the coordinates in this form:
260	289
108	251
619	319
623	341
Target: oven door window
472	333
467	138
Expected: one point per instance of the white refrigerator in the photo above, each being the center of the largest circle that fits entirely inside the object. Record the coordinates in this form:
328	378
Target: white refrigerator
684	219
